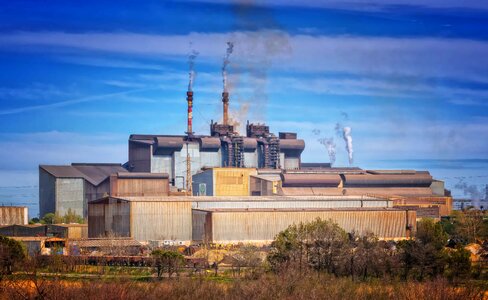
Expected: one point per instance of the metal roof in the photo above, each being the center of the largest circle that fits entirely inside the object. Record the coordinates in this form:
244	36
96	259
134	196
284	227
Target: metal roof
140	175
94	173
235	198
300	209
63	171
311	180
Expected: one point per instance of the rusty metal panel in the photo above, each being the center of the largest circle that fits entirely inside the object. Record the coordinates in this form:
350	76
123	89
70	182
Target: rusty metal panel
140	156
310	180
198	225
161	220
384	180
10	215
141	187
96	220
262	226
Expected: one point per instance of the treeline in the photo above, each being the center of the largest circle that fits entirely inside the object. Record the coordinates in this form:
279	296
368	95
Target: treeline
325	247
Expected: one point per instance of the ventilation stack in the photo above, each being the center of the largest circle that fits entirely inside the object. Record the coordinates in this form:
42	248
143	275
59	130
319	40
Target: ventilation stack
189	99
225	104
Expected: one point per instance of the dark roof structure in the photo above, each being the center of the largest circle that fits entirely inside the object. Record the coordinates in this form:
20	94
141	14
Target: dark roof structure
94	173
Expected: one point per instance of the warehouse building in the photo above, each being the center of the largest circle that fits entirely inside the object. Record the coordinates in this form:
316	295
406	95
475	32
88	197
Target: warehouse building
171	218
71	187
10	215
260	226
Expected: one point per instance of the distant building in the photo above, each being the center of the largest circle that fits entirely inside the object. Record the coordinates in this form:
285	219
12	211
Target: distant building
10	215
71	187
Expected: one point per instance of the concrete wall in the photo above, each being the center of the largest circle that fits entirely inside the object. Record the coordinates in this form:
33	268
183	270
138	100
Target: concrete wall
292	163
47	193
10	215
162	164
70	194
261	227
251	159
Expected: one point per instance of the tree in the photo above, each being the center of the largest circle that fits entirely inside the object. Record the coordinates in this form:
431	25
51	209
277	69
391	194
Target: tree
320	244
48	218
471	225
12	253
424	256
167	261
458	263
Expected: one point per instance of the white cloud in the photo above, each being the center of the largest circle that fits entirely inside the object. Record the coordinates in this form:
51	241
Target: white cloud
456	58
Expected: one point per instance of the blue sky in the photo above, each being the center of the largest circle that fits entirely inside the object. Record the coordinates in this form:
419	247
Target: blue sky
77	79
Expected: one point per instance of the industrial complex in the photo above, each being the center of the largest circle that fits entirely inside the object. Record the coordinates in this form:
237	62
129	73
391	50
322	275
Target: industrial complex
225	188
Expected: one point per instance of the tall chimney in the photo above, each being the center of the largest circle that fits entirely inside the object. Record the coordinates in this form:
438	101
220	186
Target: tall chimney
225	102
189	98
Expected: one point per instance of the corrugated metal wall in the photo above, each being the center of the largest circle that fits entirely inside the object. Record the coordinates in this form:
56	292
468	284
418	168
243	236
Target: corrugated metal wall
109	219
47	193
232	181
262	227
206	178
161	221
141	187
13	215
140	157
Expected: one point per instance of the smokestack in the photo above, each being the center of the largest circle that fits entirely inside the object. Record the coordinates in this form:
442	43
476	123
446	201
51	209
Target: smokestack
189	99
225	102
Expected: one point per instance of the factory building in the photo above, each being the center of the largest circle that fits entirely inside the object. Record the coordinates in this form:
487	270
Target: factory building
10	215
71	187
223	148
171	218
260	226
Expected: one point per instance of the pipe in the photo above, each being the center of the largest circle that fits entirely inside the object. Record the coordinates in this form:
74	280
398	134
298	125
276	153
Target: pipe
189	98
225	102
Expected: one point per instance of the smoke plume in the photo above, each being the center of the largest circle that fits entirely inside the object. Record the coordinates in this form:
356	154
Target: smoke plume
191	63
230	48
331	148
471	190
348	139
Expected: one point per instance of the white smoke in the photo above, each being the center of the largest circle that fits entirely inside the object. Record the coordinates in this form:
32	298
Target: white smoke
474	193
191	63
331	148
230	48
348	139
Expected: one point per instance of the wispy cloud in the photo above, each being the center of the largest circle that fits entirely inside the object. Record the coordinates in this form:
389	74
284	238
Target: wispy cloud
364	55
69	102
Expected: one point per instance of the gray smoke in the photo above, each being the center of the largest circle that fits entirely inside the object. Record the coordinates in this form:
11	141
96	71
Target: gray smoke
331	148
230	48
348	139
191	63
470	190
